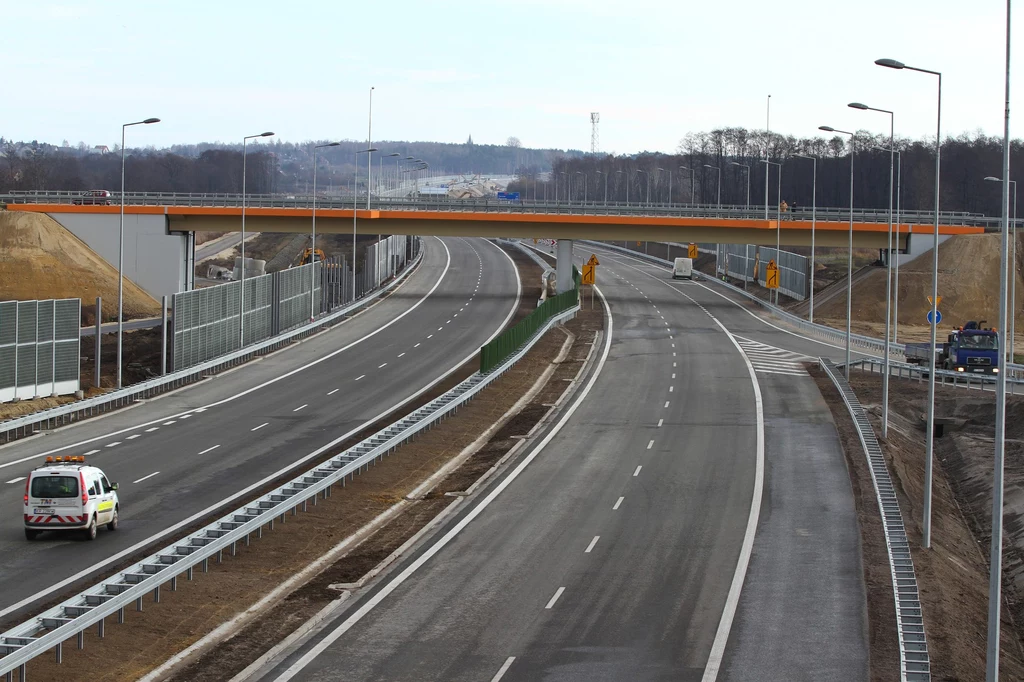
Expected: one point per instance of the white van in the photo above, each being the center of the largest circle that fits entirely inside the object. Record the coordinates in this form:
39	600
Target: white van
67	494
683	268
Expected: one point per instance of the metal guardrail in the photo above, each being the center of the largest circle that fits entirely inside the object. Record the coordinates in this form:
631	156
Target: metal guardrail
915	664
49	630
945	377
1015	372
501	206
83	409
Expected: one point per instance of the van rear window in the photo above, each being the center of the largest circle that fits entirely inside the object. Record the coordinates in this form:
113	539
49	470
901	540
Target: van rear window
54	486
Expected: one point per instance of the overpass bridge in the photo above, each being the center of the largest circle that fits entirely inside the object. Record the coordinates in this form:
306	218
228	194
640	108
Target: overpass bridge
181	216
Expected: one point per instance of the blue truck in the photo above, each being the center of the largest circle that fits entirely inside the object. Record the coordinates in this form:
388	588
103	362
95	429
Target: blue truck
970	349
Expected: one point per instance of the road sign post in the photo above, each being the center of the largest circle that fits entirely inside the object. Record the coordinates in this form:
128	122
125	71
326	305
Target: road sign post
589	276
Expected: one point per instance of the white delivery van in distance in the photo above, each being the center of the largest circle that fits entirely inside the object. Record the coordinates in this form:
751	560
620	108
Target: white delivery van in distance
67	494
683	268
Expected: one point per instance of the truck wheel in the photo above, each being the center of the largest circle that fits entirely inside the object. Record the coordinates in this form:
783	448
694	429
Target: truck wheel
30	534
90	532
112	525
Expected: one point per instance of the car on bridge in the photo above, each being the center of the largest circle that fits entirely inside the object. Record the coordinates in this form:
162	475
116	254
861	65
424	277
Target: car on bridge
94	197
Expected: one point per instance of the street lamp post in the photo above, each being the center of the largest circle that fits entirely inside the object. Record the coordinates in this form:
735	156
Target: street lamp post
719	199
647	174
814	223
888	263
605	185
849	259
584	186
1011	320
312	249
568	198
241	291
926	526
626	173
120	256
778	213
692	195
743	165
355	210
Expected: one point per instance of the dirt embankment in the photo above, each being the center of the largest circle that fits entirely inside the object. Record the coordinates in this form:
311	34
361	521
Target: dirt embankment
953	574
40	259
968	285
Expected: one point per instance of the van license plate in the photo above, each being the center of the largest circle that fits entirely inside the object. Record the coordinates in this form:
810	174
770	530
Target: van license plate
44	512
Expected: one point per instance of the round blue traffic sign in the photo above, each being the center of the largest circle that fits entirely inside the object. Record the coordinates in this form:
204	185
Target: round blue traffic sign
938	316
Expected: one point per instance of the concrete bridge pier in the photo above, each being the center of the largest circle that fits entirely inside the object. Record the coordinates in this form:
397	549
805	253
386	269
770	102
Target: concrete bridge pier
563	265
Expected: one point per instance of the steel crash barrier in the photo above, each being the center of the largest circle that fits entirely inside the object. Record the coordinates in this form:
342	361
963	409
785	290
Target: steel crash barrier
13	429
1015	372
507	343
915	665
72	617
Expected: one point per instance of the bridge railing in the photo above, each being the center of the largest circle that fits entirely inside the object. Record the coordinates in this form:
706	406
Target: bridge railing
493	205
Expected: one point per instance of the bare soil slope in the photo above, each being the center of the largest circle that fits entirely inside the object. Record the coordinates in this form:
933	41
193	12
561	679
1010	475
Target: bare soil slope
968	285
40	259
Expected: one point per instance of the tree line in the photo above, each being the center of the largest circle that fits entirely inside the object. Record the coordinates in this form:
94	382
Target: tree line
692	173
271	167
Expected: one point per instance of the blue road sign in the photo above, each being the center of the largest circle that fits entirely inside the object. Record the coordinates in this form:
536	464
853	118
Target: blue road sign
938	316
508	196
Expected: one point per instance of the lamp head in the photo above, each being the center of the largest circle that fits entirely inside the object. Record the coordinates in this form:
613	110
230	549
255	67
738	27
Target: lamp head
267	134
994	179
827	129
708	165
858	105
394	154
152	120
890	63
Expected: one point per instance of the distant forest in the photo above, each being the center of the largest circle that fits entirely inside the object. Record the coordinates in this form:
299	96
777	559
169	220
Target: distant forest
285	167
965	163
271	167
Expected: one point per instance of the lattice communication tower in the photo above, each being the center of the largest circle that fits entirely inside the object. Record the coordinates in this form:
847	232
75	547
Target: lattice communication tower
595	140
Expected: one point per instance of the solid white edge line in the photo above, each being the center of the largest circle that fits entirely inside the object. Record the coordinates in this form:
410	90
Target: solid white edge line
145	477
717	654
209	449
558	593
291	467
503	669
593	542
258	386
395	582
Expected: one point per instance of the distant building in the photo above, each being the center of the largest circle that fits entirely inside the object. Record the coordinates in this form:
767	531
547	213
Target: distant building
101	149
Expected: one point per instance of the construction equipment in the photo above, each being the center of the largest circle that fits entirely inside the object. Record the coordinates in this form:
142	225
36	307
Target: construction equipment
308	256
970	349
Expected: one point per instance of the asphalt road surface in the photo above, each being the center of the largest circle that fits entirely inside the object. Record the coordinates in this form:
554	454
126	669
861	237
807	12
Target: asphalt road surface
179	454
616	547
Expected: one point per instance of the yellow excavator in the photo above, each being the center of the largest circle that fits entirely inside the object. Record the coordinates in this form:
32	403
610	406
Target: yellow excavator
308	256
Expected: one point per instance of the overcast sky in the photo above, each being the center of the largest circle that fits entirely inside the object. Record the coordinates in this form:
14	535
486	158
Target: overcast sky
219	69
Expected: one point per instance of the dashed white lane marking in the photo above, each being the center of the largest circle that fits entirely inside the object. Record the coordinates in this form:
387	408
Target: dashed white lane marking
593	542
333	392
673	364
673	375
209	449
673	353
382	366
673	345
168	423
116	442
671	388
558	593
666	403
430	336
416	346
448	322
301	407
651	443
140	480
260	426
15	480
92	452
201	409
441	328
360	377
617	503
184	416
503	669
134	436
637	472
401	354
151	430
660	422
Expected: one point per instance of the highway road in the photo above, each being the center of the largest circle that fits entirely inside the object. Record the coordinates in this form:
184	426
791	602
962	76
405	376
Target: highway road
182	453
690	519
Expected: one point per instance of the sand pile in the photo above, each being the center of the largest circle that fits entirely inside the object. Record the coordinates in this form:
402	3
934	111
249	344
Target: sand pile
968	285
40	259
